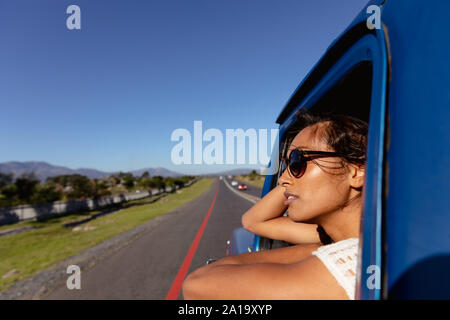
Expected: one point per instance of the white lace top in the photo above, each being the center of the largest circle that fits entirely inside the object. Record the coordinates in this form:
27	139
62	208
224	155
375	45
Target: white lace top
340	258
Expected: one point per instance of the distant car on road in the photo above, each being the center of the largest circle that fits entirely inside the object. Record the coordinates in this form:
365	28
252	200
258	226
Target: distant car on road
234	183
242	186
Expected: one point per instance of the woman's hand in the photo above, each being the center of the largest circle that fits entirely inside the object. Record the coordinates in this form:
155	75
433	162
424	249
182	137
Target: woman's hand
269	207
265	219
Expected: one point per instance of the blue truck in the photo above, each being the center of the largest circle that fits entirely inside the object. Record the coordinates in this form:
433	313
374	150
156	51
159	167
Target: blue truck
394	74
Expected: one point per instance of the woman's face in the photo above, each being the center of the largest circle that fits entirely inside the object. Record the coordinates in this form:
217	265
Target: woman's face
316	192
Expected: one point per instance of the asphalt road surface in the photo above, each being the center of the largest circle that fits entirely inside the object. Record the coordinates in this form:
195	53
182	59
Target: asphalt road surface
251	190
147	268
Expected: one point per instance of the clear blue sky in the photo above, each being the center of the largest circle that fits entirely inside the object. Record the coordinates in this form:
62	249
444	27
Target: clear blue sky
108	96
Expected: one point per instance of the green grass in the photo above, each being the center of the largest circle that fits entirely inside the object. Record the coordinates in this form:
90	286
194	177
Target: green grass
51	242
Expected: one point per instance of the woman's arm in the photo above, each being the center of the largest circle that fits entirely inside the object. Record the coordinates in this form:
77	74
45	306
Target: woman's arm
304	279
284	255
265	219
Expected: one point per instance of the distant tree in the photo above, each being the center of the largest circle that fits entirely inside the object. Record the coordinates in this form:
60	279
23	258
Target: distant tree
253	175
26	186
169	182
183	180
99	188
81	187
9	196
114	179
45	194
128	181
145	175
62	180
179	182
147	183
5	179
123	175
159	182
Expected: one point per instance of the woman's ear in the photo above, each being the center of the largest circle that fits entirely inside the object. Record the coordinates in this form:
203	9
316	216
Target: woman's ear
356	175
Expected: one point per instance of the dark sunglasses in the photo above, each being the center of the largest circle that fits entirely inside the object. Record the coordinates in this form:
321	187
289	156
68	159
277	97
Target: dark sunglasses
298	159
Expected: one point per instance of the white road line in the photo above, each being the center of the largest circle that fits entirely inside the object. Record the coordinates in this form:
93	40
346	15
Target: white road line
237	192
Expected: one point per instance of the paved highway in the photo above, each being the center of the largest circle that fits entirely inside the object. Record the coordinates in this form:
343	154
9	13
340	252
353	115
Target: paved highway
251	190
155	264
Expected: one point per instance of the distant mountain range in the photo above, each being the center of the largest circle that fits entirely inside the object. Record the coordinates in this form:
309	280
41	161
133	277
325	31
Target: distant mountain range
43	170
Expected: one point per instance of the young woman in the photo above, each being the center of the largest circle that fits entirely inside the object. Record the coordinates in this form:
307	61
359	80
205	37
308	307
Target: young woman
321	185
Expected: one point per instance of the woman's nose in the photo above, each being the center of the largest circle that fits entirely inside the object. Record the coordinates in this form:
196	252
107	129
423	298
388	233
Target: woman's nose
285	178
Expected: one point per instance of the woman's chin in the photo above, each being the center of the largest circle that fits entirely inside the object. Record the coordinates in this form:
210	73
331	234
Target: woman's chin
295	215
298	215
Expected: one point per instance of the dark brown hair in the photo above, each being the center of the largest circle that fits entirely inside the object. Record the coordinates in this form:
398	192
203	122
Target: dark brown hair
344	134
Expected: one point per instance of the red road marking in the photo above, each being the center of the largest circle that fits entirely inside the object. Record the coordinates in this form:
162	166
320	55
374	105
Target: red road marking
177	283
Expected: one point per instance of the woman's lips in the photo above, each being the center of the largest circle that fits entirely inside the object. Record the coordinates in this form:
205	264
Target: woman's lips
290	197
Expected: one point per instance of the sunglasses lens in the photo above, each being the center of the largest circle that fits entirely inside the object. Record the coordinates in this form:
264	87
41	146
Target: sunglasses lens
296	163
